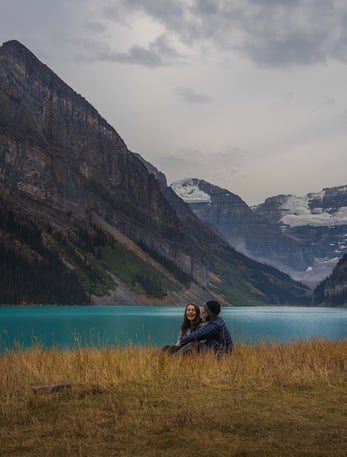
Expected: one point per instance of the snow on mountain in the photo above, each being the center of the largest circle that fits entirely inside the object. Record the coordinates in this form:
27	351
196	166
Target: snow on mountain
296	211
300	212
188	190
312	232
327	208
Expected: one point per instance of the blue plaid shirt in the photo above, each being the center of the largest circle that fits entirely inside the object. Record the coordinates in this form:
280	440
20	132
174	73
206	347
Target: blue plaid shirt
215	333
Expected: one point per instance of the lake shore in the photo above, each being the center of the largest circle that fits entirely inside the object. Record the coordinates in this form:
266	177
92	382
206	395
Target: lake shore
267	399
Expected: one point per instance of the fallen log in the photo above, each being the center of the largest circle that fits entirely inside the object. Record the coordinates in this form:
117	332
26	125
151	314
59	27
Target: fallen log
51	388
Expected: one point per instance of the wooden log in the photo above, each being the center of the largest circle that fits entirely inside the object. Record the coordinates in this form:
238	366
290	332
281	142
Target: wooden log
51	388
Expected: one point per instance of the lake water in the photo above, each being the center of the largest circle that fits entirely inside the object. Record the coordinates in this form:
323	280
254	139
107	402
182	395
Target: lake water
96	326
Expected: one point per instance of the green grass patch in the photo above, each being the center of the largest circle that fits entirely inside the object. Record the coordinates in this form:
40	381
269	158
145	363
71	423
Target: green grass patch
140	276
94	258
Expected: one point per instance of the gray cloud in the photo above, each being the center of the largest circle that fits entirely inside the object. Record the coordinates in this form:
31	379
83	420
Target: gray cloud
158	54
267	32
189	95
136	55
163	10
95	27
328	101
163	47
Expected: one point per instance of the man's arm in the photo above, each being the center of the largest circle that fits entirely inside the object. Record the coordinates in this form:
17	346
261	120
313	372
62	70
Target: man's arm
201	334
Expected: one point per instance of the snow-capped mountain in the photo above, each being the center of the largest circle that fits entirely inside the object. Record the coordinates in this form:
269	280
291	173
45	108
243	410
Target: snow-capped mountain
321	209
303	236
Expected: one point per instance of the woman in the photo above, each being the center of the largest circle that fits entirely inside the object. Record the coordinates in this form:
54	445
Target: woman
192	321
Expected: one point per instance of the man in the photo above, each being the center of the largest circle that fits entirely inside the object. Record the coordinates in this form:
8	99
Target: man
214	335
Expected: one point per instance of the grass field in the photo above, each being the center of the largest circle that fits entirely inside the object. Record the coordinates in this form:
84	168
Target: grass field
265	400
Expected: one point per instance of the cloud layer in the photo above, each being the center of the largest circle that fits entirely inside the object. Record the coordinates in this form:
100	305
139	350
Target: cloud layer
247	94
267	32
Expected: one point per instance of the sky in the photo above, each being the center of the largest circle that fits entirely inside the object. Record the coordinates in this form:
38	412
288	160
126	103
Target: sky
249	95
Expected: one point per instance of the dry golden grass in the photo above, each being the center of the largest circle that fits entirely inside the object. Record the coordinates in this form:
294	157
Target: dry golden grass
265	400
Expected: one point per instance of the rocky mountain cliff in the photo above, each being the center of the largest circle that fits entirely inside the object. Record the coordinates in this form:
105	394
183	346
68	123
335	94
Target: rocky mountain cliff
304	237
83	220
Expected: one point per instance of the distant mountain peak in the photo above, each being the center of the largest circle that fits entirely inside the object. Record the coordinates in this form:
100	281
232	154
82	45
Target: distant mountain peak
188	189
15	48
320	209
14	44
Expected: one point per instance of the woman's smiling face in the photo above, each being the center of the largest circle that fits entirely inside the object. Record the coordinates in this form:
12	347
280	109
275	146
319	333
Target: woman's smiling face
191	312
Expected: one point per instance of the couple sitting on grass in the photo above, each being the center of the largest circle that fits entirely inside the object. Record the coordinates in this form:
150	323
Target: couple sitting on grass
202	331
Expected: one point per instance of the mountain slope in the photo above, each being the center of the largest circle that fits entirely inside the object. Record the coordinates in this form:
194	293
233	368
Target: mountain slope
333	290
69	183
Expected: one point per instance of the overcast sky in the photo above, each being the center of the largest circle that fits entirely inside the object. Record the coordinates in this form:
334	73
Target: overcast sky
250	95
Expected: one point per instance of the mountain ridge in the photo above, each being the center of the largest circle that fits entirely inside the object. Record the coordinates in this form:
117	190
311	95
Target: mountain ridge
303	236
66	175
324	208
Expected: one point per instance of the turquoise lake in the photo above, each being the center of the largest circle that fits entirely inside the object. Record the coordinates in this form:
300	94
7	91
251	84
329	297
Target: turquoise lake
97	326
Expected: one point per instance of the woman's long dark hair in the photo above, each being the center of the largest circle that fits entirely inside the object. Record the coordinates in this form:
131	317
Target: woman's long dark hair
191	325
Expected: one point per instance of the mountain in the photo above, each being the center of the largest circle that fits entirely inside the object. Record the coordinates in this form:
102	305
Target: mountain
303	237
84	220
333	290
245	230
318	221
